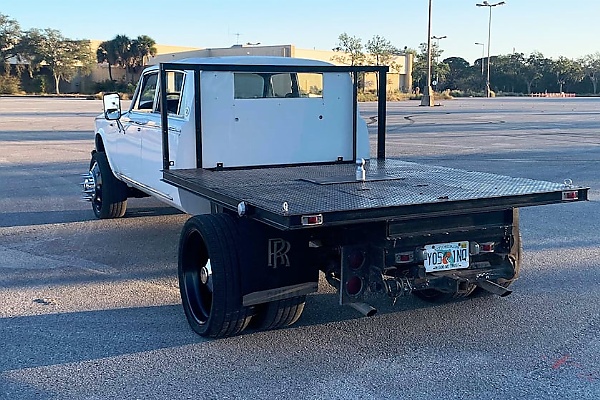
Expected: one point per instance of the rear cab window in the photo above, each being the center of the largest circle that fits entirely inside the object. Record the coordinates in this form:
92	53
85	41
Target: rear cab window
277	85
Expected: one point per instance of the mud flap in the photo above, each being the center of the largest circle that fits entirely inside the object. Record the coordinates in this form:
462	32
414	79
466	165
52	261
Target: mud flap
275	264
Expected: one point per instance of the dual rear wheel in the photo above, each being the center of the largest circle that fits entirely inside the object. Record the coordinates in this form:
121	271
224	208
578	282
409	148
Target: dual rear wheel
209	272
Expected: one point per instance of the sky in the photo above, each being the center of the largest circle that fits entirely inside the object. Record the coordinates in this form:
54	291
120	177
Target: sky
552	27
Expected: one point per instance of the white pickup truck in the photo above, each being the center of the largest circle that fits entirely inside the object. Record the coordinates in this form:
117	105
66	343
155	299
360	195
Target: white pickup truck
271	158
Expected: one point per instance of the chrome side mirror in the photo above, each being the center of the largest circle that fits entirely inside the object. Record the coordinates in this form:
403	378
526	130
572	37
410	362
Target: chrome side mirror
112	106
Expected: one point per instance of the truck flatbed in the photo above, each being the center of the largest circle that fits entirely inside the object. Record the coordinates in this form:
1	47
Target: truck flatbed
393	189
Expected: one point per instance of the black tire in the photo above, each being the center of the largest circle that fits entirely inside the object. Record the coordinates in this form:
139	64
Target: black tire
110	194
516	251
278	314
209	276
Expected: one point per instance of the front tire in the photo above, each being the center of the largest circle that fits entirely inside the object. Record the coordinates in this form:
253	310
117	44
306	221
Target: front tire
109	199
209	276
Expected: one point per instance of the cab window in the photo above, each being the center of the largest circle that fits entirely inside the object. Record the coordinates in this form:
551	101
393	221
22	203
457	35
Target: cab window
278	85
147	93
175	81
148	99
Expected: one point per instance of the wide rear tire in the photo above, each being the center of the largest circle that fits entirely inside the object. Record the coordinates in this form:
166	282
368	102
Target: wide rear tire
278	314
209	276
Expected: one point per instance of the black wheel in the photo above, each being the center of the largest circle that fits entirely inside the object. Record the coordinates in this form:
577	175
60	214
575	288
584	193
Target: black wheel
278	314
516	251
109	199
209	276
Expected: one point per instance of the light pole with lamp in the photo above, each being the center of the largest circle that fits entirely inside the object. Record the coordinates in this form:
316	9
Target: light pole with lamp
482	54
437	58
427	99
486	4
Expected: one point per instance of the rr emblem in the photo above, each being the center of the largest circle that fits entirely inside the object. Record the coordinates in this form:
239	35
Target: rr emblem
278	253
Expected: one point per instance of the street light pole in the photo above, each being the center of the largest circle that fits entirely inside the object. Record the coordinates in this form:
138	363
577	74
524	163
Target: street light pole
486	4
427	99
437	58
482	54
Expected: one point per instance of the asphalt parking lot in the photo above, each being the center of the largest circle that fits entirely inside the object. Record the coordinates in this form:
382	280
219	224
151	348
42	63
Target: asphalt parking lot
90	309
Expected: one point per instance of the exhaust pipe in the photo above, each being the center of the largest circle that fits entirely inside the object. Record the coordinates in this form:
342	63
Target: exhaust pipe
364	309
493	287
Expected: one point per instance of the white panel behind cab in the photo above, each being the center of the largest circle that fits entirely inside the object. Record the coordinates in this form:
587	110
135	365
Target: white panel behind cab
269	131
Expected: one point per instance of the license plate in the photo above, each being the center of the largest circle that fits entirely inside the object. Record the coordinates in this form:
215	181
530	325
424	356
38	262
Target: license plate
446	256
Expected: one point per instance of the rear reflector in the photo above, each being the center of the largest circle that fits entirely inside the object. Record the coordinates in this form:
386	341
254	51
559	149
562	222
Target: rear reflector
402	258
487	247
308	220
570	195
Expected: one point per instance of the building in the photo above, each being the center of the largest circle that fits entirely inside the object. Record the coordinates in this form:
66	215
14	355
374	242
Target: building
399	78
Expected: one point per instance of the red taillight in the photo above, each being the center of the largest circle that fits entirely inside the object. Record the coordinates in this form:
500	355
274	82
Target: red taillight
354	285
356	259
312	219
570	195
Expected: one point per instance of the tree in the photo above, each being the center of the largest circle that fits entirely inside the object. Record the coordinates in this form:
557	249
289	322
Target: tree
459	70
591	68
381	52
352	50
63	56
420	64
10	35
140	49
533	69
507	74
114	52
566	71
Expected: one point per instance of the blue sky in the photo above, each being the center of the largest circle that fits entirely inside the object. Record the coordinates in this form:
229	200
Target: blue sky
553	27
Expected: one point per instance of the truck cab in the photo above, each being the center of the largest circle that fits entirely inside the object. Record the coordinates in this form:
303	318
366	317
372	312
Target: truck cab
247	119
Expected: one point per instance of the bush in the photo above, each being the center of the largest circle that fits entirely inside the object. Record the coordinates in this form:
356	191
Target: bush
124	88
40	84
395	95
445	95
9	84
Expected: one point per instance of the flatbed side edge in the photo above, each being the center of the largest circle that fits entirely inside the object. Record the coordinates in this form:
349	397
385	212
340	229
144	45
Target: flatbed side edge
399	212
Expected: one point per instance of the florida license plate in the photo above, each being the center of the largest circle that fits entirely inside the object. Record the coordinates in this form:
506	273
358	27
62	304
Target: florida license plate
446	256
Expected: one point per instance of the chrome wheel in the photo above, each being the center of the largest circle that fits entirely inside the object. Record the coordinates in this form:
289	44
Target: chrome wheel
96	182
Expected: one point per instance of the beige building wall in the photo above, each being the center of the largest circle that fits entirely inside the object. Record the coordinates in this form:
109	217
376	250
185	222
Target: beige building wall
399	77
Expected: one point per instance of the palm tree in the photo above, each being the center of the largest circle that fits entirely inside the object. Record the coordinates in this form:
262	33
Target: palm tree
115	52
140	50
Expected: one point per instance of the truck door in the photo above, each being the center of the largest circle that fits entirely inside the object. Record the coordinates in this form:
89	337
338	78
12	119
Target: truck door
135	122
141	143
151	163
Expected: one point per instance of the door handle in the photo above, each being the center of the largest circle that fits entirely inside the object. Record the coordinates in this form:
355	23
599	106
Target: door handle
140	121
